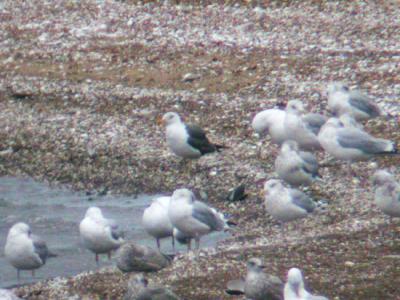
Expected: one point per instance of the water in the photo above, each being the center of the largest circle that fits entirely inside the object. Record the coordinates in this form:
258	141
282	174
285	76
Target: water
55	214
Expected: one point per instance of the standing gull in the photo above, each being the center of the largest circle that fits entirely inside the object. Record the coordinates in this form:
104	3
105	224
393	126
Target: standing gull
99	234
299	130
294	287
259	285
294	166
24	250
286	204
351	143
156	221
187	141
192	217
387	193
341	100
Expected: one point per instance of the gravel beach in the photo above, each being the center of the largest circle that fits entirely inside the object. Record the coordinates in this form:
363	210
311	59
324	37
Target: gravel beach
82	84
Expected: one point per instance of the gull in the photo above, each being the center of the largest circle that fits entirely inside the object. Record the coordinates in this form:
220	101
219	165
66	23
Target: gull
156	221
187	141
387	193
259	285
140	258
351	143
286	204
192	217
99	234
294	166
294	287
341	100
272	122
24	250
299	130
138	289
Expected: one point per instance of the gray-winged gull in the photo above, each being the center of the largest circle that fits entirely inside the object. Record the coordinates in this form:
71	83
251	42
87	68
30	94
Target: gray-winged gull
187	141
341	100
140	258
286	204
272	122
294	287
259	285
138	289
99	234
351	143
192	217
299	130
156	221
387	193
25	251
294	166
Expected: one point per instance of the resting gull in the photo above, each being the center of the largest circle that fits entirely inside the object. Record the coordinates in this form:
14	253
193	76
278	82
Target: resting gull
298	129
24	250
187	141
259	285
286	204
272	122
341	100
138	289
140	258
192	217
387	193
99	234
294	287
156	221
294	166
351	143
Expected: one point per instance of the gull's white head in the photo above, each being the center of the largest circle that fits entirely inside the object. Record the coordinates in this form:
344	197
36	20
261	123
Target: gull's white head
295	106
255	265
335	87
381	177
289	145
348	121
20	228
272	185
262	121
170	118
183	195
334	122
94	212
295	280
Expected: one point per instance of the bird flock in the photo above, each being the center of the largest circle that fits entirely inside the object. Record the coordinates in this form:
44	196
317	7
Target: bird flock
183	218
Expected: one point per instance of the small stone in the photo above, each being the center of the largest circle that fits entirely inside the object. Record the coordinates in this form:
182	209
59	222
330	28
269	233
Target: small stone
189	77
349	264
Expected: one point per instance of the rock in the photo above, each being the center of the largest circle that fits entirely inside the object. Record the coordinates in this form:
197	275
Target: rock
7	295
